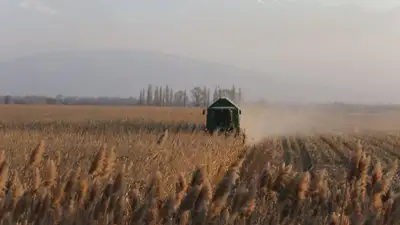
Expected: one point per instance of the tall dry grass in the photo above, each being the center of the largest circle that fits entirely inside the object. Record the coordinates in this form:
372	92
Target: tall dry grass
111	172
38	193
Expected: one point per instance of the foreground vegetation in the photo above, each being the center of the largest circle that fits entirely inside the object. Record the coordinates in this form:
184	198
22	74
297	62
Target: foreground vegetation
115	173
37	193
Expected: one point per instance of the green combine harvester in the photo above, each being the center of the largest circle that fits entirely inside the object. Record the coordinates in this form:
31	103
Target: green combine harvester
223	116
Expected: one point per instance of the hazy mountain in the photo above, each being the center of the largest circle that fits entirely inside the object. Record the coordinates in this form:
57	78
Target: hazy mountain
124	73
121	73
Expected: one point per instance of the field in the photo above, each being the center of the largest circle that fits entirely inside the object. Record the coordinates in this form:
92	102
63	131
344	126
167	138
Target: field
118	165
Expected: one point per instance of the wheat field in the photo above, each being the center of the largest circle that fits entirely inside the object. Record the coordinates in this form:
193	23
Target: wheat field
119	165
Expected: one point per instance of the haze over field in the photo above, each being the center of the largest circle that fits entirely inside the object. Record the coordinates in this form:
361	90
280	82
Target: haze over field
278	49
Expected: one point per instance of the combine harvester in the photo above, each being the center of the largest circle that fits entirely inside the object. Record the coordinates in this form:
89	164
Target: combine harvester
223	116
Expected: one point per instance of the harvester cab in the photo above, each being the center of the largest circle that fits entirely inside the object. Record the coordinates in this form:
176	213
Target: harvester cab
223	116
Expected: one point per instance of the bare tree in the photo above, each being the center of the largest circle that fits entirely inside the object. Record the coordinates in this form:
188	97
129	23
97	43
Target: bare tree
149	100
197	96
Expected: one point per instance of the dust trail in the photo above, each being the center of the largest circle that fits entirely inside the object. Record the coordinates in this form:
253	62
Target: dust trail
259	123
278	120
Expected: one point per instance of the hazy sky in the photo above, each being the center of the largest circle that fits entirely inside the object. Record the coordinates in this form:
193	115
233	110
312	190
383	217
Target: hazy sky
351	42
246	32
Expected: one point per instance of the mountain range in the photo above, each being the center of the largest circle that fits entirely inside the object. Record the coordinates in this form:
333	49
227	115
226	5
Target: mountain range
124	72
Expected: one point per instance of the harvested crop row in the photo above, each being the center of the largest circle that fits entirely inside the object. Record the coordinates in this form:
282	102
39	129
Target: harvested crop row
321	155
305	159
382	149
341	154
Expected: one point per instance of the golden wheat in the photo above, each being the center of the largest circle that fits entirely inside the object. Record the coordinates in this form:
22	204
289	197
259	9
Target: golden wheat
230	201
73	172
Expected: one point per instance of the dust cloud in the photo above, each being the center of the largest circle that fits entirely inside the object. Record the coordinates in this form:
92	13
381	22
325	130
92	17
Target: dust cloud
261	122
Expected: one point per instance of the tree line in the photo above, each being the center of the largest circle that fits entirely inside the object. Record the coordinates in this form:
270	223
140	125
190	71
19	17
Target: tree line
197	96
153	95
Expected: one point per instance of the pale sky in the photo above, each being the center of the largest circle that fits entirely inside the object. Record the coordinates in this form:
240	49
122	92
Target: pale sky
222	30
349	42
